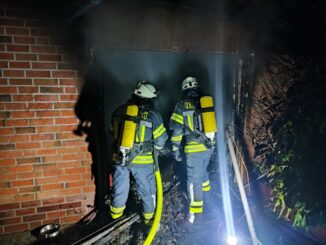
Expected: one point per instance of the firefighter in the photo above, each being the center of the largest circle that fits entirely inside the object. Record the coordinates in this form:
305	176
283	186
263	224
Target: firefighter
137	130
194	121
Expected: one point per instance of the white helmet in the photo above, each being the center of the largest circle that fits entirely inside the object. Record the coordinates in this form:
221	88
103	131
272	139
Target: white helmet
145	90
189	82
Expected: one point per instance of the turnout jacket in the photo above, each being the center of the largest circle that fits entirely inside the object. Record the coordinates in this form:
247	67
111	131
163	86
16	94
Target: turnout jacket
186	123
150	133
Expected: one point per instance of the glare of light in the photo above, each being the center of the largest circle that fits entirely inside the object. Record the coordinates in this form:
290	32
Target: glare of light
232	240
223	114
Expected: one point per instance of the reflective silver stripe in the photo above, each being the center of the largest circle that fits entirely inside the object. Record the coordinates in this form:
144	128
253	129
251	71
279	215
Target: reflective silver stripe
145	123
188	113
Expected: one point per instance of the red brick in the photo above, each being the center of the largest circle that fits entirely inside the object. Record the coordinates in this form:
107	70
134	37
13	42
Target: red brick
71	205
3	64
7	147
65	135
2	47
9	206
8	176
22	114
75	184
29	152
51	158
65	105
15	106
18	48
30	175
55	186
17	122
68	97
42	181
20	81
43	49
46	98
26	56
3	81
6	56
67	178
6	131
49	57
16	228
69	82
12	22
28	90
47	113
22	98
37	73
40	65
46	82
45	209
19	183
41	137
34	217
72	142
19	64
39	106
56	172
26	211
7	214
28	204
64	74
25	130
28	145
20	169
56	214
26	160
10	154
24	40
5	184
44	121
10	221
13	73
48	194
45	166
51	90
8	191
51	144
88	189
8	90
24	197
7	162
17	31
66	121
29	189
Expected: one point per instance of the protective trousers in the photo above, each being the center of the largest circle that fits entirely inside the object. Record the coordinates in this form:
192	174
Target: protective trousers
198	179
145	184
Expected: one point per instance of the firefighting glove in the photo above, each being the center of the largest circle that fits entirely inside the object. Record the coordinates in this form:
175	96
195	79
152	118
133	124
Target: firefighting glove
176	154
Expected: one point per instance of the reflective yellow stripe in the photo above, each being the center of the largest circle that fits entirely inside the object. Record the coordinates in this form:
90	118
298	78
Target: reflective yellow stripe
206	188
190	125
116	212
147	159
196	210
176	138
159	131
206	183
137	137
148	215
142	133
195	147
196	203
177	118
196	207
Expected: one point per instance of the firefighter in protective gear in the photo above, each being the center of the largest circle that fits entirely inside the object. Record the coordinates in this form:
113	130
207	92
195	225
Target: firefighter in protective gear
148	132
187	123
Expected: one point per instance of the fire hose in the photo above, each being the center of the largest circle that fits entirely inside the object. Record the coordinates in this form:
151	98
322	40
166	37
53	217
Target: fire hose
159	207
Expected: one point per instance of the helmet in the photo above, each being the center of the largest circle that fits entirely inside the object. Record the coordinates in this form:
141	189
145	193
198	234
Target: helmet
145	90
189	82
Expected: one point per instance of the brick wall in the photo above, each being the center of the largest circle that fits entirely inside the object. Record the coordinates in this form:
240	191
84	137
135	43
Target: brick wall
44	168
